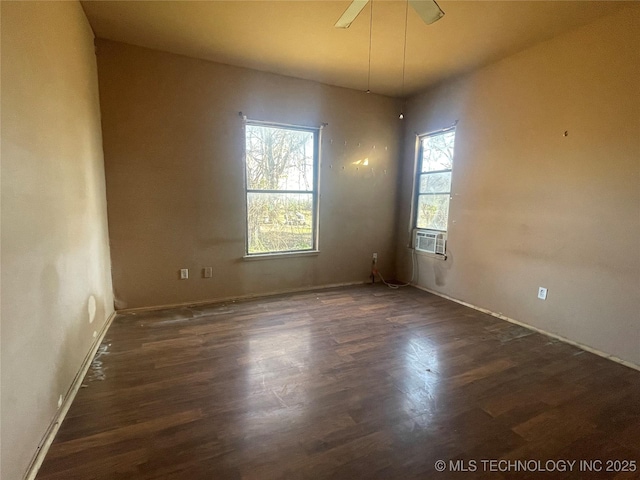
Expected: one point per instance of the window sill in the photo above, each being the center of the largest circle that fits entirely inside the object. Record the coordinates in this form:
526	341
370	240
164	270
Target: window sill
273	256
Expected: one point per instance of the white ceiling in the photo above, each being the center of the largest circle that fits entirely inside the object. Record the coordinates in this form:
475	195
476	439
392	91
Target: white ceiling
297	38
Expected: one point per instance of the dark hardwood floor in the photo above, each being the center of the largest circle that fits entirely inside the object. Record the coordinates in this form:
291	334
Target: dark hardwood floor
353	383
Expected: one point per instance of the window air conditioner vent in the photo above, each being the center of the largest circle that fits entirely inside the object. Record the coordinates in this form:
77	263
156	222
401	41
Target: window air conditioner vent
430	242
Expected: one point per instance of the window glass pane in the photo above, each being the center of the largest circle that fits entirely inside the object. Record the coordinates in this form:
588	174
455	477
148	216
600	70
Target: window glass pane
279	222
279	158
435	182
433	211
437	152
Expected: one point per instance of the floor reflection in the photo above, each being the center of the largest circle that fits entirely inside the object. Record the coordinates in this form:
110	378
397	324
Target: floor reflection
276	374
420	379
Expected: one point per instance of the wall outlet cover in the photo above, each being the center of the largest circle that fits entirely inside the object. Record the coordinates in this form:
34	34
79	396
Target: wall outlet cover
542	293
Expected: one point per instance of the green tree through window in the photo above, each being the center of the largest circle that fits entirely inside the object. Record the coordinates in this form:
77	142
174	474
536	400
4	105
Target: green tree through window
281	170
434	180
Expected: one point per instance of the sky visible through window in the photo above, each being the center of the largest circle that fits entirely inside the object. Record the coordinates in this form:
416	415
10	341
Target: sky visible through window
280	189
434	187
279	159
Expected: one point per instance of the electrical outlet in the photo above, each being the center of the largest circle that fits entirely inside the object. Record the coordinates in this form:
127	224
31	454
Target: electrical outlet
542	293
375	256
207	272
184	273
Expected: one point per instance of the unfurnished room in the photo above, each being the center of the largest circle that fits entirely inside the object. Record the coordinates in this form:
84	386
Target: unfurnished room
350	239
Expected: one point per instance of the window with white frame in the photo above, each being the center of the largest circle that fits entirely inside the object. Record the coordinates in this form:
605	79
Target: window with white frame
433	180
281	169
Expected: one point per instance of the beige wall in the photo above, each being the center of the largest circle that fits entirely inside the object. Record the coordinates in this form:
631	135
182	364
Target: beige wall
532	207
55	258
173	143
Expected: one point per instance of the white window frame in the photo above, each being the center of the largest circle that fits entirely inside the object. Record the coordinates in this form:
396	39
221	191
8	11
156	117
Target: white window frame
418	174
316	131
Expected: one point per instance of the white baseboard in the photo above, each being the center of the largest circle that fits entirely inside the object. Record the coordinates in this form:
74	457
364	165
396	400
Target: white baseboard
237	298
51	432
595	351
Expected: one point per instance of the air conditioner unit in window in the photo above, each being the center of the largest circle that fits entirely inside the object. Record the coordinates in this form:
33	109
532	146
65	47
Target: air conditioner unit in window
429	241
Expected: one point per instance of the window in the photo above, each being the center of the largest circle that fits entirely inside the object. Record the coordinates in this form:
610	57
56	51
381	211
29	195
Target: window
433	187
281	185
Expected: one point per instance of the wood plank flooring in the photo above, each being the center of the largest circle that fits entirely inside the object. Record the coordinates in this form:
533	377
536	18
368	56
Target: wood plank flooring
350	383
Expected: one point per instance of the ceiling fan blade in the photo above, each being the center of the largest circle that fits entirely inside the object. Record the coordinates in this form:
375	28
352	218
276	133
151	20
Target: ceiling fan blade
428	10
351	13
